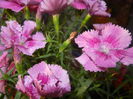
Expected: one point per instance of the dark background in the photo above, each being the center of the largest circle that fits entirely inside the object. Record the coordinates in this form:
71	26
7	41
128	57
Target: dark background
121	13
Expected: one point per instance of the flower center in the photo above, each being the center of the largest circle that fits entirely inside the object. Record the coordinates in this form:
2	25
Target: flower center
104	49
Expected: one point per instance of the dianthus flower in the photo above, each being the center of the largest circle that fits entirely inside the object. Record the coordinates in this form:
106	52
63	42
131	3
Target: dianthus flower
48	80
19	37
104	47
94	7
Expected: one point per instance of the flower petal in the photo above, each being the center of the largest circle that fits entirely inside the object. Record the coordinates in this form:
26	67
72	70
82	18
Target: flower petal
88	39
117	36
88	64
53	6
28	28
20	85
4	60
26	86
106	61
39	68
78	5
128	56
10	5
30	46
63	77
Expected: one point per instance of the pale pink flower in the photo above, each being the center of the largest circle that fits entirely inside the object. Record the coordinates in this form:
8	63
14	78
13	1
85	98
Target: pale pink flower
53	6
3	67
103	49
18	5
20	39
94	7
51	80
48	80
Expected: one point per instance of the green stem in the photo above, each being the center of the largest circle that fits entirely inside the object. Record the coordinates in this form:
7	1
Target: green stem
38	22
38	19
86	19
19	68
56	24
27	13
64	45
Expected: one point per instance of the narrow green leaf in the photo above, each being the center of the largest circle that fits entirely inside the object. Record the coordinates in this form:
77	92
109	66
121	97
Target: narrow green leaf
18	95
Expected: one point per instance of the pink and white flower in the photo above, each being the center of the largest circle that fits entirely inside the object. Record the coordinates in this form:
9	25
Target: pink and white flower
103	48
49	80
20	39
94	7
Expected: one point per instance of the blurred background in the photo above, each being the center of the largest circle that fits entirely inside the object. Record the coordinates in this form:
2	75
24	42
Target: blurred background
121	11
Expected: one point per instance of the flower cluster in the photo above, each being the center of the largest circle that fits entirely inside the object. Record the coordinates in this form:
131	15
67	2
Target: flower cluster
19	39
102	47
94	7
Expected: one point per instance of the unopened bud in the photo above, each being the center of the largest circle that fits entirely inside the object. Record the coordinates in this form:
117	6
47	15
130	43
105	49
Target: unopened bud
67	42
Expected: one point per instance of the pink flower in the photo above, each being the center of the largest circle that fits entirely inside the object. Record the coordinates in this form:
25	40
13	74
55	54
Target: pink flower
26	85
3	67
49	80
103	49
19	37
53	6
94	7
18	5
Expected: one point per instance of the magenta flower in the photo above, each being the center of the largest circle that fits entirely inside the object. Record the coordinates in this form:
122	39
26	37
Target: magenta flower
53	6
3	67
18	5
103	48
94	7
49	80
19	37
